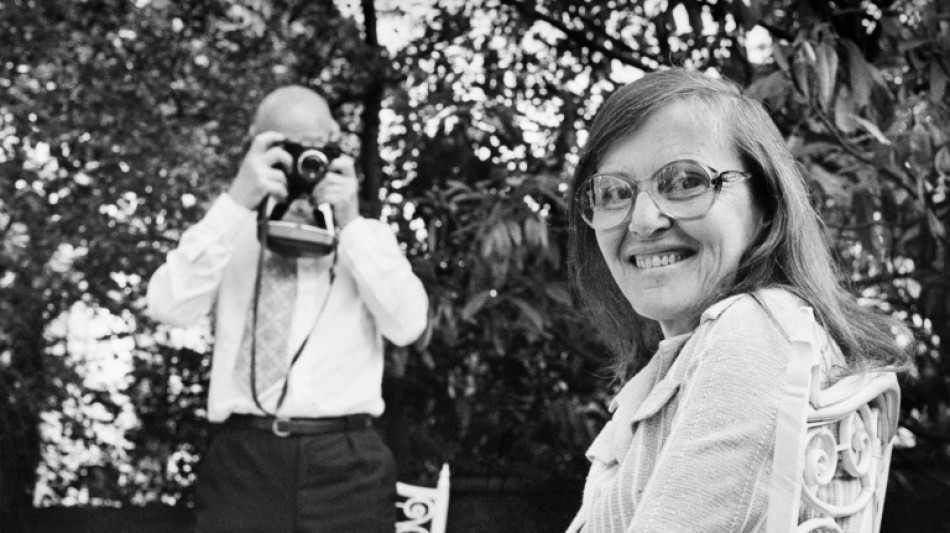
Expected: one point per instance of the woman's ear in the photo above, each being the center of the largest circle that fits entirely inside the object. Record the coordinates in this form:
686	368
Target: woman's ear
765	220
763	225
765	206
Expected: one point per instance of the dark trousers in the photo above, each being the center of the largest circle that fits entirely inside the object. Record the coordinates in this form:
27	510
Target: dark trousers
252	480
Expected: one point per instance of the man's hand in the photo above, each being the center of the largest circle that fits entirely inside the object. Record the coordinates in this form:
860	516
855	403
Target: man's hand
339	189
260	174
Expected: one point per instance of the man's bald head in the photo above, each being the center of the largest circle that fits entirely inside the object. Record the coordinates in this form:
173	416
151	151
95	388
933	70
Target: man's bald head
299	113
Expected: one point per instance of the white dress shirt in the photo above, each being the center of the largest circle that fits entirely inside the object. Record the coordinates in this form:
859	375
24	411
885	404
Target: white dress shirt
375	294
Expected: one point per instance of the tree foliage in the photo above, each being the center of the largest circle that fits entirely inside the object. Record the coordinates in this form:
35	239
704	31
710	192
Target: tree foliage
119	121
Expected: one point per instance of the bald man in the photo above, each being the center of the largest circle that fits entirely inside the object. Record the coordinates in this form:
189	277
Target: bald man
298	357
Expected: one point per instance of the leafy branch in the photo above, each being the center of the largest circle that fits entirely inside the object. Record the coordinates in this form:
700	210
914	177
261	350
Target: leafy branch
583	38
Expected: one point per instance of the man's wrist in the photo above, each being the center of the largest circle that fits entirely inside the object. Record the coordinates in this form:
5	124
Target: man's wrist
233	204
224	215
241	196
343	220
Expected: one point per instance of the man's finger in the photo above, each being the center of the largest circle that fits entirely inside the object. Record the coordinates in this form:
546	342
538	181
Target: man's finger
265	140
276	183
337	179
334	189
277	156
344	165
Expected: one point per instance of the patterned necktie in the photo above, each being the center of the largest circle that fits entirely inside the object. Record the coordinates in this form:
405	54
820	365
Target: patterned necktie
275	305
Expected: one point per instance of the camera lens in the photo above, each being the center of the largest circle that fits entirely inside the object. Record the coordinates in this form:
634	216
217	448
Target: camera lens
312	165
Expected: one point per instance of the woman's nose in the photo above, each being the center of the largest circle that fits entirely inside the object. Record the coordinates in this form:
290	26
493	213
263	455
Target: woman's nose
646	218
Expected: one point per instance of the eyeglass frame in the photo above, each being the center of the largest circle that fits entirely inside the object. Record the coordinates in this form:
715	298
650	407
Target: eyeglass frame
716	180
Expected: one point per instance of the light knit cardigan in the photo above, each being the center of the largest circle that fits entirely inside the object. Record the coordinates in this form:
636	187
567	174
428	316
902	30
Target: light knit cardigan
689	446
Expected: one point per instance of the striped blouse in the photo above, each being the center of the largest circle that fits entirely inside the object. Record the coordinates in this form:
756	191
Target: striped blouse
689	446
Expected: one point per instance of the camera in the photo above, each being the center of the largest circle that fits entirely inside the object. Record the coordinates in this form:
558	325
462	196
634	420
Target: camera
309	164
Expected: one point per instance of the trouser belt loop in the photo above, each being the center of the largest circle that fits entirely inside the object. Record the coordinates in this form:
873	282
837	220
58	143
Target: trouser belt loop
357	422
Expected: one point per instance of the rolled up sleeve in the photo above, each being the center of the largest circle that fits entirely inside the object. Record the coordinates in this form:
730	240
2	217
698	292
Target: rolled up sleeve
386	283
183	289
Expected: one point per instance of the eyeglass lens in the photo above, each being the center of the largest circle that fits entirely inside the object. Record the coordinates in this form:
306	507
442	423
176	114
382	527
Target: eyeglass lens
682	189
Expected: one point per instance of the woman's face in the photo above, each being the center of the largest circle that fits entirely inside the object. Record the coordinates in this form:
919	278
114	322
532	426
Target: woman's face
669	270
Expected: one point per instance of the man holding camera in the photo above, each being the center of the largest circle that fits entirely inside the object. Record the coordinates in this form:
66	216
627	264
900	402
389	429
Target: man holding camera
298	357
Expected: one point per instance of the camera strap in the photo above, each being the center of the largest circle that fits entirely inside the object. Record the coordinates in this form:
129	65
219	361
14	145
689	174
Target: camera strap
262	232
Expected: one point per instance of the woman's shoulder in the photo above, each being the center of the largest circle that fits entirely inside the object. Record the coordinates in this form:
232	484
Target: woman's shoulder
748	335
768	319
771	306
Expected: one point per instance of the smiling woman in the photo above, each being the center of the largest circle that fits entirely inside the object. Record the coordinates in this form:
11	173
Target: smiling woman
670	261
706	271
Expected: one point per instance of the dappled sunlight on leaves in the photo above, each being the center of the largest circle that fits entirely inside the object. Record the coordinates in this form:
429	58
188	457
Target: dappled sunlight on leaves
120	122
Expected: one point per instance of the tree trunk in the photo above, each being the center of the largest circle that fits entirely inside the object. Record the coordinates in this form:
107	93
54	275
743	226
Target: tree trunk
19	424
369	161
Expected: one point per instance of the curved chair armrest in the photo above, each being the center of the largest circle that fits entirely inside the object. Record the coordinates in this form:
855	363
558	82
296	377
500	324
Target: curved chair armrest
426	509
847	395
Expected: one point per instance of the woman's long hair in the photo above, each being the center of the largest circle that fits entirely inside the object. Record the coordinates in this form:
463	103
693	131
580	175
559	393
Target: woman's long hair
789	251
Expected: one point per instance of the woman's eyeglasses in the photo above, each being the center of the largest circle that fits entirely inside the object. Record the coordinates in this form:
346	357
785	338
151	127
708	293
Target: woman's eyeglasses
682	190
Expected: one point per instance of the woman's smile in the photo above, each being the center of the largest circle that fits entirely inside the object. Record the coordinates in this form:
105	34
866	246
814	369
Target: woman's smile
659	260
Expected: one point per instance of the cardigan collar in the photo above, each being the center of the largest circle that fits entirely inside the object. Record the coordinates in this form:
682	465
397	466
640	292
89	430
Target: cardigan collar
648	390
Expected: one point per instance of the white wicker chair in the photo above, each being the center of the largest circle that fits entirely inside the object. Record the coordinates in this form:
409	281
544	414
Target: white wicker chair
833	446
425	509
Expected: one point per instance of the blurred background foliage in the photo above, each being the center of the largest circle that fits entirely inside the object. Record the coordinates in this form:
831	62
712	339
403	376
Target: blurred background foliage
120	121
